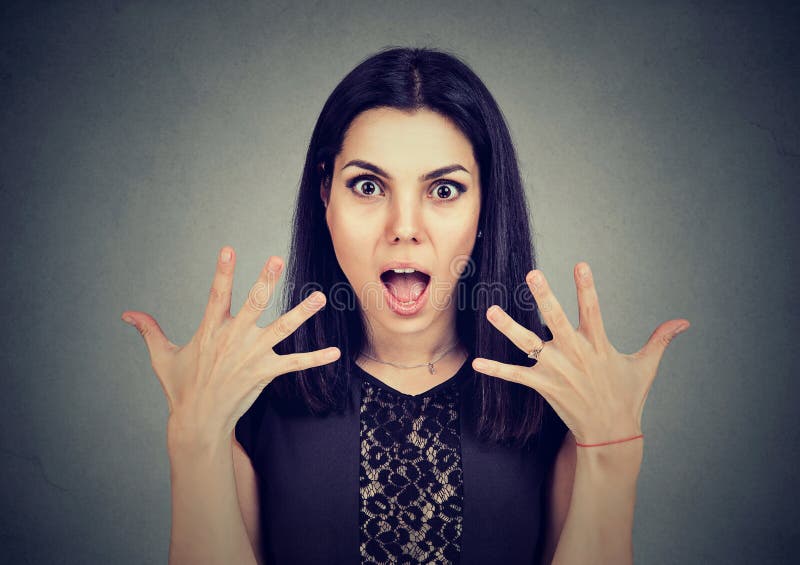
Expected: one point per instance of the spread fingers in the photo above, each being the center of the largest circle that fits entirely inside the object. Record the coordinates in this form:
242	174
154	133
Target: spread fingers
218	307
261	292
287	323
520	336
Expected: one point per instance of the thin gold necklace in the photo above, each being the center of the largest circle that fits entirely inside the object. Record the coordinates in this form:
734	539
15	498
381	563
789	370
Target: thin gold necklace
429	364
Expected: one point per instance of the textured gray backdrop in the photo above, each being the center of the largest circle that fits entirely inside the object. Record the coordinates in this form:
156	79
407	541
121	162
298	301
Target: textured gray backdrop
659	141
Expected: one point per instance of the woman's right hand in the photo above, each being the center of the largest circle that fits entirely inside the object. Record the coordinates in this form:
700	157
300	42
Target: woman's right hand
212	381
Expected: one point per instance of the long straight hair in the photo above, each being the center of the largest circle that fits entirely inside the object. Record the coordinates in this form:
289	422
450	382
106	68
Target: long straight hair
409	79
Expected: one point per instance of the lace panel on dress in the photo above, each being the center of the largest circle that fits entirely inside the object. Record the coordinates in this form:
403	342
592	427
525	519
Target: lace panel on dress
410	479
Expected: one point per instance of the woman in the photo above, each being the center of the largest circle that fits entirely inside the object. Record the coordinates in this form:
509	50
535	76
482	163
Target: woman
407	421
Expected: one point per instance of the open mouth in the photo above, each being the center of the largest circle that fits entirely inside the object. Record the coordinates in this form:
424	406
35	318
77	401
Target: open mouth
405	285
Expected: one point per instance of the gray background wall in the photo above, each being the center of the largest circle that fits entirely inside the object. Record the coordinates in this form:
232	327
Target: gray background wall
659	141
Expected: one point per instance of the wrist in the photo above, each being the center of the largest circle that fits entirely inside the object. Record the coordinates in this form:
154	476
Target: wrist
189	441
599	444
622	459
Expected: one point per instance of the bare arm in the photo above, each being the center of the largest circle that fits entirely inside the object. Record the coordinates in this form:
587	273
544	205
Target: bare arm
558	493
599	393
210	383
207	523
249	504
599	524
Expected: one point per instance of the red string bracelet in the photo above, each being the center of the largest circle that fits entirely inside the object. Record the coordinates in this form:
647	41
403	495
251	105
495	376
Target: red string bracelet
607	442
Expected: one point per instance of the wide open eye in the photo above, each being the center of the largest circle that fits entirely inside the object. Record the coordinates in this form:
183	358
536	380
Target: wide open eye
368	186
447	190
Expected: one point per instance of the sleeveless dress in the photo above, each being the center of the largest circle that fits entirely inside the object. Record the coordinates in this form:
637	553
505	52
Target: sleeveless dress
396	478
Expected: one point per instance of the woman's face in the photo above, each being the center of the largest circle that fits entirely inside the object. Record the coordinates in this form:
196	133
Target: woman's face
390	200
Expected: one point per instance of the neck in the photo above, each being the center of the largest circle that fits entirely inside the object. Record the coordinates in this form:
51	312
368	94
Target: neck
413	377
413	348
434	358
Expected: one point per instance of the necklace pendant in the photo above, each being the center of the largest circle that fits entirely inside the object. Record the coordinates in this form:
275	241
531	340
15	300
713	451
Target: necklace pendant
431	369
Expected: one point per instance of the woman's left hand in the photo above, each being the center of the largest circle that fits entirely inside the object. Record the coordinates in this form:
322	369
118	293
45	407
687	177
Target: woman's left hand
598	392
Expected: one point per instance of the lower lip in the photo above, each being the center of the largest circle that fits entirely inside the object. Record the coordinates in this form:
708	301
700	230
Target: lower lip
404	309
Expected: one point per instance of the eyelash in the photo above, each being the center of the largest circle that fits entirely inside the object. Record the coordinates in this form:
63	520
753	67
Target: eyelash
351	185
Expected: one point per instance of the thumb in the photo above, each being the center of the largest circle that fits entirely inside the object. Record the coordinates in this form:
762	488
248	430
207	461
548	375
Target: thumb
661	338
151	332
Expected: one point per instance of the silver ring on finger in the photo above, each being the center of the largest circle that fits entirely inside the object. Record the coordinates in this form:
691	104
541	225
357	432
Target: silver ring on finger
534	353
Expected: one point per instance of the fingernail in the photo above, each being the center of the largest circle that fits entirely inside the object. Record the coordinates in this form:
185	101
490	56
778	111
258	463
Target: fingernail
273	265
317	298
681	329
128	320
332	354
225	256
480	365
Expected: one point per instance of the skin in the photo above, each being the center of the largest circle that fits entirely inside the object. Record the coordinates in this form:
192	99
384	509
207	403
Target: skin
209	383
404	218
597	391
600	394
214	378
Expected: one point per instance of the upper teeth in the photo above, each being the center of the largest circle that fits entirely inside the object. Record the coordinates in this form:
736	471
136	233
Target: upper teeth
404	270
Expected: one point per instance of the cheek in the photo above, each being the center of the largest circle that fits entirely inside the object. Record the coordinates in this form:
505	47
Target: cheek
339	227
351	235
455	237
455	248
350	242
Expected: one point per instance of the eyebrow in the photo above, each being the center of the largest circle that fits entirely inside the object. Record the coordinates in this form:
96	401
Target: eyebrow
427	176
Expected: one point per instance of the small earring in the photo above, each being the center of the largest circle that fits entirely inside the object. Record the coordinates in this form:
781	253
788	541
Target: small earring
480	233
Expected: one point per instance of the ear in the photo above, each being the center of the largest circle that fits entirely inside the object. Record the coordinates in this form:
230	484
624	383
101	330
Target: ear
324	192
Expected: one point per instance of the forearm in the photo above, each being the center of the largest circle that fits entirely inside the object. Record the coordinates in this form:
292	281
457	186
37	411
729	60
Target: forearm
207	524
599	524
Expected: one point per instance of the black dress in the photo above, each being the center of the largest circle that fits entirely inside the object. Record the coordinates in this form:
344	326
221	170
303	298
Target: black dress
396	478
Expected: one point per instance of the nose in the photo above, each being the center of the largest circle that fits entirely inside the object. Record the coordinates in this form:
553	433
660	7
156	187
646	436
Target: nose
405	223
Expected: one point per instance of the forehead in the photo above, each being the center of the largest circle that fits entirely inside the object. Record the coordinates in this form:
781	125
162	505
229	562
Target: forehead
402	141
